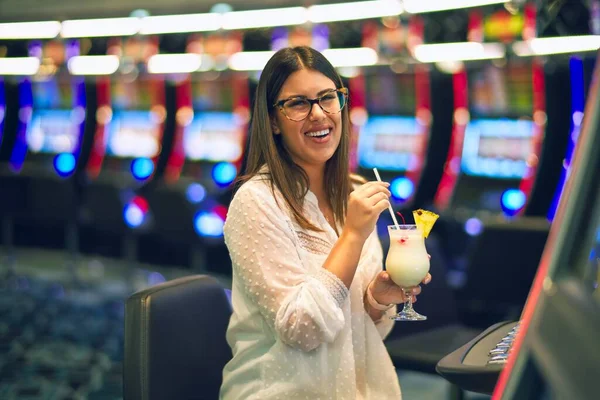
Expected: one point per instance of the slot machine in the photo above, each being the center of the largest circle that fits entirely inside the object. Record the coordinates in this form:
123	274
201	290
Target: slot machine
54	138
215	134
55	134
134	134
508	132
12	198
497	139
501	134
46	151
127	145
392	135
395	133
551	349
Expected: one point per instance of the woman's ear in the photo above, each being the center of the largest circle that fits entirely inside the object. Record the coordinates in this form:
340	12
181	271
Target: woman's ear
275	127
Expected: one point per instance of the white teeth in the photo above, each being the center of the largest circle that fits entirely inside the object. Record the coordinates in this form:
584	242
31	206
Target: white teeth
318	133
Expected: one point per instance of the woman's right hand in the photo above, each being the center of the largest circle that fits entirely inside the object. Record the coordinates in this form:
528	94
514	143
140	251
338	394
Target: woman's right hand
364	206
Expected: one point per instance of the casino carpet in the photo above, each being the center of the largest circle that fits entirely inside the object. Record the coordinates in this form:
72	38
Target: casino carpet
62	338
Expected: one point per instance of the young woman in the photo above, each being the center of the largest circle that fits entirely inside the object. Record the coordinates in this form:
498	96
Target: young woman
311	303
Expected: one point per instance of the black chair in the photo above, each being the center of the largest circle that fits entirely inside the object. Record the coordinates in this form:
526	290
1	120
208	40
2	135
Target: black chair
175	345
501	266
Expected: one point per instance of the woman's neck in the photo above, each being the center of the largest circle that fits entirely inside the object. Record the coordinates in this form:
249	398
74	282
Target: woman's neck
316	178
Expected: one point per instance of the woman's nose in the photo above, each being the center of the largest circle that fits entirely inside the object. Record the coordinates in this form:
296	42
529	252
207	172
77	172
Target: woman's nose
316	112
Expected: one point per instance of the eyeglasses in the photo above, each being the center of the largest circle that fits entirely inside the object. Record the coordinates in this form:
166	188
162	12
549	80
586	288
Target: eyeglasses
298	108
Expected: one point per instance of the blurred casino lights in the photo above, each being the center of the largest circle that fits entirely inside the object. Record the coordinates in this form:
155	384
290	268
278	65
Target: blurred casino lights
402	188
208	224
473	226
224	173
135	212
64	164
195	193
512	201
142	168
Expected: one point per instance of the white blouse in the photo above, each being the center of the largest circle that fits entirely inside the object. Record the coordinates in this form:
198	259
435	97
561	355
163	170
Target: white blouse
296	331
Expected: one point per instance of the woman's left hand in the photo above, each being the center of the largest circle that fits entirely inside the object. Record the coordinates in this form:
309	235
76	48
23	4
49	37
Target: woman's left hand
385	291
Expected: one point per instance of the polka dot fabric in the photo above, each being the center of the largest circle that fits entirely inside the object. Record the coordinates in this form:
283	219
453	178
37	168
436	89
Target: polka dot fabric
296	331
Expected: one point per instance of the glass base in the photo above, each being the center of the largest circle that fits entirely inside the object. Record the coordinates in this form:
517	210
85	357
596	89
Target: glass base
411	315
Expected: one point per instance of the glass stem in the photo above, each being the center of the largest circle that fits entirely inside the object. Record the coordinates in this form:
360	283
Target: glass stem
408	304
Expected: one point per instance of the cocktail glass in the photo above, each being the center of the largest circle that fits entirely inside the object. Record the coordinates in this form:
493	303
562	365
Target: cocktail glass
407	263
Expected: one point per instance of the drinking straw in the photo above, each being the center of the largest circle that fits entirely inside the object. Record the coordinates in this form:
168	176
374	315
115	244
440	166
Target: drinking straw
389	204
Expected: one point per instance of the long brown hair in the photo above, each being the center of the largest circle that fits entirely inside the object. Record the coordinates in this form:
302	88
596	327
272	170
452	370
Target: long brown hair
265	148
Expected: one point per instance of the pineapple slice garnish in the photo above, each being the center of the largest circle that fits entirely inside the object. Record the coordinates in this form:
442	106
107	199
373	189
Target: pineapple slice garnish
425	220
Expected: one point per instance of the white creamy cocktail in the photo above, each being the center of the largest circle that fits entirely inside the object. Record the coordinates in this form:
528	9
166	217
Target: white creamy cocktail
407	263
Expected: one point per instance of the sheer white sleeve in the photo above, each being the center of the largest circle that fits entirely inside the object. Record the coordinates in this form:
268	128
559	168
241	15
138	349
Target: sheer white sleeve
384	325
304	308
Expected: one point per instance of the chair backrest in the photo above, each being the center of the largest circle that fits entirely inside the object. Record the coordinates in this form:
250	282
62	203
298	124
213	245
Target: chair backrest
501	265
175	345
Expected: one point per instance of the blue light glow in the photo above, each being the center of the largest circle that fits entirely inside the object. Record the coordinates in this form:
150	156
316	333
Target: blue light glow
224	173
577	107
473	226
208	224
155	278
513	200
133	215
401	188
19	150
142	168
195	193
64	164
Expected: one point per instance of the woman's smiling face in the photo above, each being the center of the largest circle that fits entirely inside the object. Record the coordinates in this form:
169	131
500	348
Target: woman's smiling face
314	140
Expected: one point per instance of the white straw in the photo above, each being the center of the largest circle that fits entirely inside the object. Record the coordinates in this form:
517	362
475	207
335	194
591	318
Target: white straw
389	204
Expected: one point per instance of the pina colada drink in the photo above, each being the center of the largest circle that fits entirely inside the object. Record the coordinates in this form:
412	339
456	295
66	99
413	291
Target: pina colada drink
407	261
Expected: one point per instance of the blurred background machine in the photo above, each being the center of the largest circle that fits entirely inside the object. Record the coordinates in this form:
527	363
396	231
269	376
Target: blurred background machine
124	125
529	355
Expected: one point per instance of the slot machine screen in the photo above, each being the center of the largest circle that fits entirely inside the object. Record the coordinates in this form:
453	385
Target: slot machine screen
134	130
54	121
133	134
497	148
501	91
131	95
389	143
52	93
213	137
389	93
212	95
